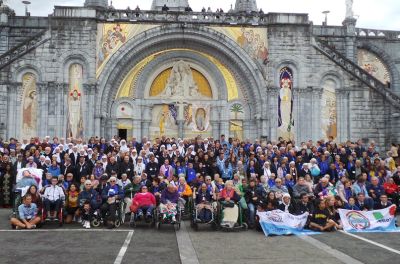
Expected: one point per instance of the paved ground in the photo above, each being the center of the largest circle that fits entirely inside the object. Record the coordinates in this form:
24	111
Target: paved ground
147	245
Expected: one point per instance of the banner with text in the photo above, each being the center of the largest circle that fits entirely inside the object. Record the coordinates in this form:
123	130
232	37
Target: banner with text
368	221
277	222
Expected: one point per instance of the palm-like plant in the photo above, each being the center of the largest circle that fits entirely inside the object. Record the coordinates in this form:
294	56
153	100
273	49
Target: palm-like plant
236	109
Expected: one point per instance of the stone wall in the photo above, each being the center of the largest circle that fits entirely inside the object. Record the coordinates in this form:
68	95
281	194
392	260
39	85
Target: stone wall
361	113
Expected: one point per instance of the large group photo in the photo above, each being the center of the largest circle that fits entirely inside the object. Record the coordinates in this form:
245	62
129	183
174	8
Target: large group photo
199	132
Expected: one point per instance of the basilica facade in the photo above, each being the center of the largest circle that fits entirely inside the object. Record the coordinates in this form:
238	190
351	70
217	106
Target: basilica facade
94	70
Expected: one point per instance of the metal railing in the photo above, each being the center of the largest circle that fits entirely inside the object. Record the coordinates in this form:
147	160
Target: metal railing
358	72
23	48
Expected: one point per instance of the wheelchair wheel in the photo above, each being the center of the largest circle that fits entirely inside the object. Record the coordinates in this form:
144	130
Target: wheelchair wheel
95	222
117	223
245	226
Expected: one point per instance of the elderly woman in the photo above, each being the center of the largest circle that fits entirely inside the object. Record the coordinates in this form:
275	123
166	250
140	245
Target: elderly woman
144	201
228	198
204	201
168	202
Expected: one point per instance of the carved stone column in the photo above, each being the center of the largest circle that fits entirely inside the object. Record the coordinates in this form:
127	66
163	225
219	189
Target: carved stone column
316	112
343	114
272	108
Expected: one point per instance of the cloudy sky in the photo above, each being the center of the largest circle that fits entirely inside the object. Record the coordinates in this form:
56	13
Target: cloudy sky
378	14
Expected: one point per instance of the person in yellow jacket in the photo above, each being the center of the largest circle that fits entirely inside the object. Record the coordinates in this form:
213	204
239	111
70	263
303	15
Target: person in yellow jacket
185	192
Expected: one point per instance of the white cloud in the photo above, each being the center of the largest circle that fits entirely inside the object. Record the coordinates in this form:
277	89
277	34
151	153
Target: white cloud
383	14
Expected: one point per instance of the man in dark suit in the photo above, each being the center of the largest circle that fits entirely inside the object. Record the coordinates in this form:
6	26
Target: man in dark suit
365	204
67	167
383	203
19	164
81	169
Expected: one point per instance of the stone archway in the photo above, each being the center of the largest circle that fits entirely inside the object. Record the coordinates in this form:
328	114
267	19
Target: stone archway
202	39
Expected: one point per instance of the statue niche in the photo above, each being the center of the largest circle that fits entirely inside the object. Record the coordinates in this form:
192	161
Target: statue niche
180	84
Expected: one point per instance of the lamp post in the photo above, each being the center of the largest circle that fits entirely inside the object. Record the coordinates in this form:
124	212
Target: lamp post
26	3
326	16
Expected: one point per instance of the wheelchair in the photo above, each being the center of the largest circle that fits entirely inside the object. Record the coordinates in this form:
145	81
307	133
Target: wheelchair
195	221
160	220
134	218
186	207
98	220
239	224
59	215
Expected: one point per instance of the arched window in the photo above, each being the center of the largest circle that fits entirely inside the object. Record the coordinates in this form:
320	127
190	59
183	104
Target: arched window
29	106
285	104
75	116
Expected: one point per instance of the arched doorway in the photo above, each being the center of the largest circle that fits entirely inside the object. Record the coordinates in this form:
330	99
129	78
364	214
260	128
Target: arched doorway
150	58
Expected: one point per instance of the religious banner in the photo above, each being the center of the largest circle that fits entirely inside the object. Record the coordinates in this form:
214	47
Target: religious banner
328	107
285	105
277	222
369	221
29	106
75	117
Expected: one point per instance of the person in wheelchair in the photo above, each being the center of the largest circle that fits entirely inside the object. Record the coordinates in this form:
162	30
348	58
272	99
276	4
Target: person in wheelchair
54	198
112	194
229	198
204	204
184	190
168	202
144	201
89	201
27	214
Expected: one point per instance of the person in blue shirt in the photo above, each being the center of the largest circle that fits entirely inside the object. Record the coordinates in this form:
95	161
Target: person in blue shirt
54	169
27	217
190	174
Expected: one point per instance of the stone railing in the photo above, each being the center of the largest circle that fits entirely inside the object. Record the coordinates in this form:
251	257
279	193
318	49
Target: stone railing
20	50
250	19
358	72
376	33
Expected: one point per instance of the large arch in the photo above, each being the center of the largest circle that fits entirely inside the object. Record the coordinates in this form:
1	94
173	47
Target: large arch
203	39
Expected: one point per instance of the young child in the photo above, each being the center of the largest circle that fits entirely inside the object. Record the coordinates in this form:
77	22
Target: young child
86	214
351	205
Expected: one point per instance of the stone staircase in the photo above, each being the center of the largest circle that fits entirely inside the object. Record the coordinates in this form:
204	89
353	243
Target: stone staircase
25	47
358	72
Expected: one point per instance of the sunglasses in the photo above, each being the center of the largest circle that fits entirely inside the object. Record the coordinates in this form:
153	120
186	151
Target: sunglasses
112	181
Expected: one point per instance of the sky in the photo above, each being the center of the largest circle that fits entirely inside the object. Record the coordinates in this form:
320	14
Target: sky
374	14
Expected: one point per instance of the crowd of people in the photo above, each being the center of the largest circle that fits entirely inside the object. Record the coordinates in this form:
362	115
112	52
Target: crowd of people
86	177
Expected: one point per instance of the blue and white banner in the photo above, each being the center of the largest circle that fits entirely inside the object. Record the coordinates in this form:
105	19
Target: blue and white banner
277	222
368	221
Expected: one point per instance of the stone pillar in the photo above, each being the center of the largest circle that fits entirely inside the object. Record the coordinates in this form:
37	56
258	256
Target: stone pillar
42	116
343	114
12	109
3	110
350	27
224	119
146	119
272	109
316	113
180	129
215	121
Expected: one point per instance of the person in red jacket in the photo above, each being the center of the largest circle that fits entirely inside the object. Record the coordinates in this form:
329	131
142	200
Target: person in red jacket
144	201
392	191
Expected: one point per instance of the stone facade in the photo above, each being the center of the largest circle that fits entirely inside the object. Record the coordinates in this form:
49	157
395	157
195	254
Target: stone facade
73	32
